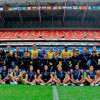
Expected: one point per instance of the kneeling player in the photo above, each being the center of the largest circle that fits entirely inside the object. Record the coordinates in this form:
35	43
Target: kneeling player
92	77
15	76
30	77
77	77
62	77
4	76
46	76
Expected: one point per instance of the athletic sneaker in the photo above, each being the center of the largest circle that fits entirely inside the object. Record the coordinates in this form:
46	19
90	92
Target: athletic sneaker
99	83
65	84
73	84
41	84
48	84
81	84
3	83
15	82
96	84
57	84
53	83
92	85
12	83
69	82
33	84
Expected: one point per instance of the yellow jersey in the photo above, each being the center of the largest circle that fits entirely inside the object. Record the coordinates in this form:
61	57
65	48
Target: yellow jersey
50	54
10	52
96	53
59	56
64	52
34	51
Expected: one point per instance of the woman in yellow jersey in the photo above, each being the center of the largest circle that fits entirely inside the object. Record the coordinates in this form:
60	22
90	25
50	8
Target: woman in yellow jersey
34	50
50	53
26	50
66	51
9	49
59	55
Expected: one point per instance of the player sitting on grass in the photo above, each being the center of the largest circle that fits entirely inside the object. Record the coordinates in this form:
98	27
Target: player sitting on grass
30	77
4	76
15	76
62	77
92	77
46	76
77	77
38	77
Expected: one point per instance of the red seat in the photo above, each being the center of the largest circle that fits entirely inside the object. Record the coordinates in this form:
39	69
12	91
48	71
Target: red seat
48	34
97	34
79	34
5	34
58	33
23	33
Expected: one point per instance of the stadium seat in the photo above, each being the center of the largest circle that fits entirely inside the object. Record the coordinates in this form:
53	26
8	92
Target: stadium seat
48	34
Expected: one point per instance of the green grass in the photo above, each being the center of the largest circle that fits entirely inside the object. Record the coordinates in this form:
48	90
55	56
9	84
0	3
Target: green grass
28	92
37	92
78	93
25	92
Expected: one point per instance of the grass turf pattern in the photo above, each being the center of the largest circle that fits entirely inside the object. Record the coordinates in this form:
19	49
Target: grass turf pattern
37	92
78	93
25	92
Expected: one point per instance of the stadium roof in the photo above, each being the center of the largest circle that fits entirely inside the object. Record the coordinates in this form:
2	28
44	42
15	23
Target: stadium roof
46	2
45	18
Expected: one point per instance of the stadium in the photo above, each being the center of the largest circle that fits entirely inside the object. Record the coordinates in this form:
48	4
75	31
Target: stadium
49	49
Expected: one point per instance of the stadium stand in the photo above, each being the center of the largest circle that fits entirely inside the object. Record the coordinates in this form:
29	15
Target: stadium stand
48	34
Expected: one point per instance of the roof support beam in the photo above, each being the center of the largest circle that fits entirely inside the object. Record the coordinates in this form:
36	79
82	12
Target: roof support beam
64	15
3	20
20	16
39	13
82	21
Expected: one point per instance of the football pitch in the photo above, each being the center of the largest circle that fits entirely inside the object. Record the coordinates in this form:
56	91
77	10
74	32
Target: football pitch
37	92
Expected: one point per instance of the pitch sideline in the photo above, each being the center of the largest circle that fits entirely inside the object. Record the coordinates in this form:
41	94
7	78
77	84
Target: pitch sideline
55	93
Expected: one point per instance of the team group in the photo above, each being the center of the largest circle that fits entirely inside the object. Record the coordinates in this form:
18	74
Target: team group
46	68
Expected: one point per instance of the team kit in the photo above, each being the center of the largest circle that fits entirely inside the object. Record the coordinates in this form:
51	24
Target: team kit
50	68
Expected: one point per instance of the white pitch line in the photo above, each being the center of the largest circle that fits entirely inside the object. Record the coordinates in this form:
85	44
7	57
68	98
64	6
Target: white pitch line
55	93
